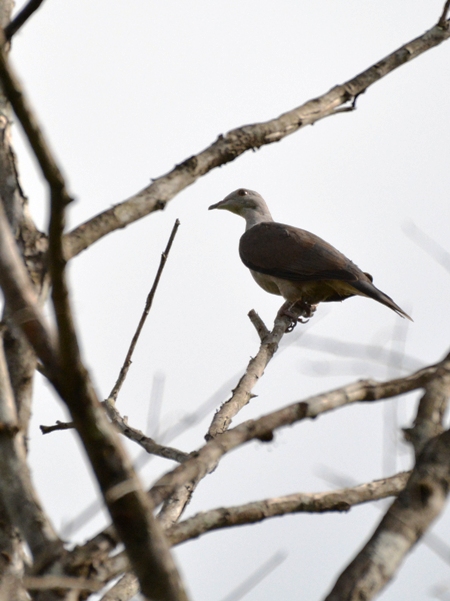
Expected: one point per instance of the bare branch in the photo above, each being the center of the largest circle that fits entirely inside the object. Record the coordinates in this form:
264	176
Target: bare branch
236	142
127	503
139	437
255	369
430	412
21	297
182	425
174	506
442	20
58	426
260	326
337	500
208	457
16	489
21	18
408	518
22	109
148	304
251	513
126	588
42	583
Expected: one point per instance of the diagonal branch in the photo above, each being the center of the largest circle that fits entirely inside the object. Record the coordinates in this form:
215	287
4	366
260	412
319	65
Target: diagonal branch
251	513
21	18
442	20
148	305
249	137
129	507
207	458
243	392
406	521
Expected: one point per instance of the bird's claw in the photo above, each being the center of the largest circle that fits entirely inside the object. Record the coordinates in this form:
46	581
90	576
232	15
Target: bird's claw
307	310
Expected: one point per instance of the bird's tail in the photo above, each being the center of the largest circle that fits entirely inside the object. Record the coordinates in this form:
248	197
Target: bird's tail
368	289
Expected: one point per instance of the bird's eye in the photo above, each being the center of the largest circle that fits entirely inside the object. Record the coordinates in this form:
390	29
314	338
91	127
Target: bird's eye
242	192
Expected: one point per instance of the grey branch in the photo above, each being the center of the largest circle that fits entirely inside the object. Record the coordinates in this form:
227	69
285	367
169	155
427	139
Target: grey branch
251	513
417	506
243	392
42	583
207	458
16	489
337	500
430	412
249	137
139	437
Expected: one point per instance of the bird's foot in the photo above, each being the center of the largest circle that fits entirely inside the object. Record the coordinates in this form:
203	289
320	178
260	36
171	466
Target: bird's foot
291	310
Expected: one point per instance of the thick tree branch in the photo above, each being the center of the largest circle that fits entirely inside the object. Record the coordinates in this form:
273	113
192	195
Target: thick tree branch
16	489
208	457
251	513
430	412
236	142
127	503
416	507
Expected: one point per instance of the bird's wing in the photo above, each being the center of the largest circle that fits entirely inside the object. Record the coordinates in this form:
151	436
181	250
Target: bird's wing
293	254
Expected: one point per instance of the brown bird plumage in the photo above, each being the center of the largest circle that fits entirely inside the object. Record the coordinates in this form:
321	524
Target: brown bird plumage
294	263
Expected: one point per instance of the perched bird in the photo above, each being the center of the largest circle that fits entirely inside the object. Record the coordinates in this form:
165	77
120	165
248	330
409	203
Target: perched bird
293	263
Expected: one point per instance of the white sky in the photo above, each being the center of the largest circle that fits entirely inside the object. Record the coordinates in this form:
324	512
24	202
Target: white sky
125	90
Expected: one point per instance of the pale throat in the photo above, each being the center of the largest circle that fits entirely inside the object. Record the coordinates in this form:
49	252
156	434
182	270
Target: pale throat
253	217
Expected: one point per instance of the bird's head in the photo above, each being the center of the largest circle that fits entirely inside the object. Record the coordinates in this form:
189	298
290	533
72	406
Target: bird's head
248	204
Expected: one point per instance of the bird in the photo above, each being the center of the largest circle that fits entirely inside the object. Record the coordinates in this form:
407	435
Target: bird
294	263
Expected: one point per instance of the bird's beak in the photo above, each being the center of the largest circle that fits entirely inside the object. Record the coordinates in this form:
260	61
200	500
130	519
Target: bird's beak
217	205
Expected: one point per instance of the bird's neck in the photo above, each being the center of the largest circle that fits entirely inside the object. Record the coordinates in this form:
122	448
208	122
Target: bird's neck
254	217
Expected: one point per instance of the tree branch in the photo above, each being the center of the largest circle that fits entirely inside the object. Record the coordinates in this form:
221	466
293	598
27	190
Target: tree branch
16	488
21	18
251	513
139	437
127	503
236	142
255	369
207	458
408	518
148	304
442	20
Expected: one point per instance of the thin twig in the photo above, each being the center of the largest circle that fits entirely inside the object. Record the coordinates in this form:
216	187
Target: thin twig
21	18
139	437
58	426
260	326
442	20
148	304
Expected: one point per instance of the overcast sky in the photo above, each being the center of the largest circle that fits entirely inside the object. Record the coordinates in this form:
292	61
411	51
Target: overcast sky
126	90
